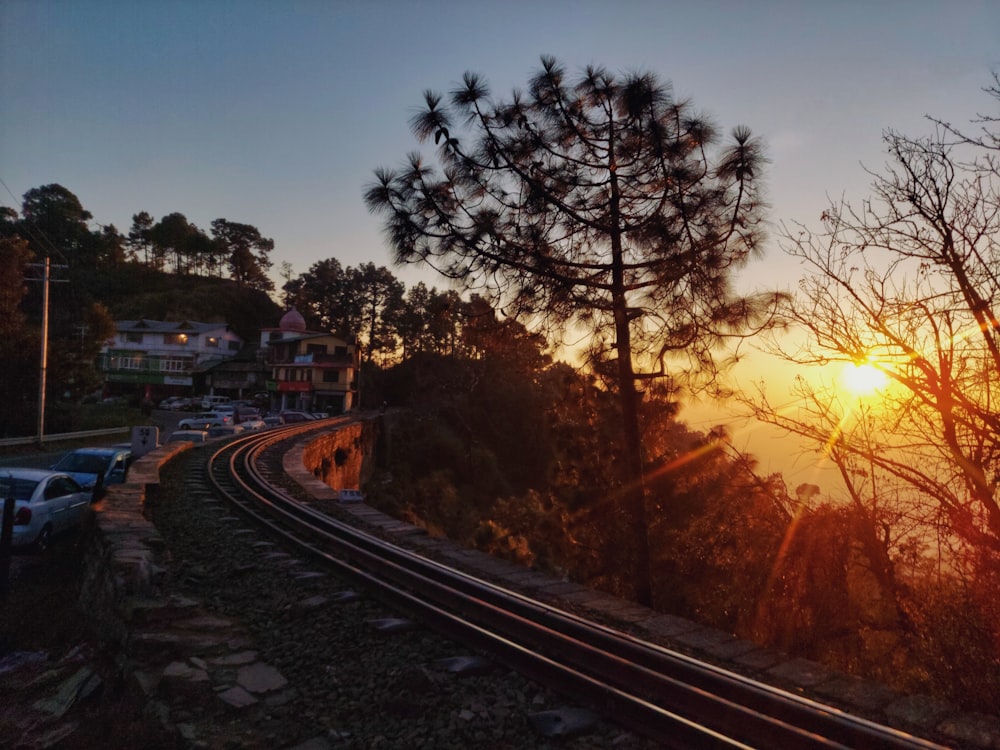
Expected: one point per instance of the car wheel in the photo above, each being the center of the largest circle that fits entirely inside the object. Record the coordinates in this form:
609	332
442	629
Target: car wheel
44	540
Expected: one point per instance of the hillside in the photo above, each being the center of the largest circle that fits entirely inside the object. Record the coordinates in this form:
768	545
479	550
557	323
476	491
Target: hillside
132	291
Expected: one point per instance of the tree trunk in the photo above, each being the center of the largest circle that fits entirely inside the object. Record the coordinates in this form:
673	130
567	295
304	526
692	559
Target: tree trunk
634	490
634	496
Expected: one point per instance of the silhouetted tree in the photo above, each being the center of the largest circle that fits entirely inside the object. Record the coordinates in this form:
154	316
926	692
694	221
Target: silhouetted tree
55	224
18	342
246	253
376	298
602	201
139	243
366	302
174	237
909	282
322	295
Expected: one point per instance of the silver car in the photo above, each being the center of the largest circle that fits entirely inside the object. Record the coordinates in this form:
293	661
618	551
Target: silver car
205	420
45	503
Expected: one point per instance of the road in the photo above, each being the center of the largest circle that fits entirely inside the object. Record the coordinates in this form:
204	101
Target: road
165	420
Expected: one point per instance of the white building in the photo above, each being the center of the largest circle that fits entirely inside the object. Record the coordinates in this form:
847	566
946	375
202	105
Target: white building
155	353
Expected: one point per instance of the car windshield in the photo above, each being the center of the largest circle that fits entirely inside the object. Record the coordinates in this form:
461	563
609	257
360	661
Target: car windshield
86	463
19	489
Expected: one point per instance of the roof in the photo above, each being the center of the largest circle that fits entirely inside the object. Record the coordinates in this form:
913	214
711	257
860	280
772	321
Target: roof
292	321
97	451
22	472
232	365
168	326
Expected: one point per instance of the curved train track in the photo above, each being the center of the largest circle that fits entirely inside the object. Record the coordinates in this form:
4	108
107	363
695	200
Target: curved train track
667	696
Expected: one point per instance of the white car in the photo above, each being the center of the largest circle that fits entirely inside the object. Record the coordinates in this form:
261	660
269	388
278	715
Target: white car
205	420
45	503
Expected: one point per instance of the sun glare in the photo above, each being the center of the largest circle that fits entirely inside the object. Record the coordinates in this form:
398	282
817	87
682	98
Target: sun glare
863	379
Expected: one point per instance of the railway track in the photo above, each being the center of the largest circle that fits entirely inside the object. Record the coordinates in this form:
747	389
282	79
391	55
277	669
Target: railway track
664	695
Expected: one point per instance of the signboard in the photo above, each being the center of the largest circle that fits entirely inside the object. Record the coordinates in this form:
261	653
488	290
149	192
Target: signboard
296	387
144	439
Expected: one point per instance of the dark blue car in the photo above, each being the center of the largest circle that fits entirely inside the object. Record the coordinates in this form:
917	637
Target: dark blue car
85	464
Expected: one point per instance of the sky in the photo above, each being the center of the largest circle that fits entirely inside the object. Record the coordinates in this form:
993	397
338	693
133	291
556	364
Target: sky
276	113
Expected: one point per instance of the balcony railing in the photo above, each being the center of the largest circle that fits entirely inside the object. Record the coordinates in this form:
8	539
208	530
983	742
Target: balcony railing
120	363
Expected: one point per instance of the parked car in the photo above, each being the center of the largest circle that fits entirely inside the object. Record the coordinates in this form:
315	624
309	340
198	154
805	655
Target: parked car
86	464
211	402
292	416
204	420
189	436
226	430
183	403
45	503
253	424
273	421
169	401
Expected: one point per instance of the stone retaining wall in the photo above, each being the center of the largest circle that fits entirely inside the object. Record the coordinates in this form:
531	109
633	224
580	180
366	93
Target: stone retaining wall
120	566
342	459
121	562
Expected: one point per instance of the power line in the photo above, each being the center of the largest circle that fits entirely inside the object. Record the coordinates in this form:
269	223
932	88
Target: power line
39	238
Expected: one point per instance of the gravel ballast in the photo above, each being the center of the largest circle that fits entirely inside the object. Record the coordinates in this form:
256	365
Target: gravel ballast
347	682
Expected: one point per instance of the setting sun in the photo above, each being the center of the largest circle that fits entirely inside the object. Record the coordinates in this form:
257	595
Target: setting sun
863	379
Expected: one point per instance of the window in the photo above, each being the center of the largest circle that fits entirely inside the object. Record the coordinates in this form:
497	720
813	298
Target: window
176	339
130	363
60	487
212	342
133	337
331	376
19	489
340	351
234	346
175	365
274	336
316	348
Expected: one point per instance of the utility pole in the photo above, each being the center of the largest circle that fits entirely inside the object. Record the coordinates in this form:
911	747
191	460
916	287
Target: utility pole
46	279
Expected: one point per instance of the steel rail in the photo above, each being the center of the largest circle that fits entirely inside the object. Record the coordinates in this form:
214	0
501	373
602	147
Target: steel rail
658	692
